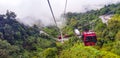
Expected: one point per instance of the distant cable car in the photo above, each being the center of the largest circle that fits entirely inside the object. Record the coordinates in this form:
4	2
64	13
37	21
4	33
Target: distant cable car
89	38
65	36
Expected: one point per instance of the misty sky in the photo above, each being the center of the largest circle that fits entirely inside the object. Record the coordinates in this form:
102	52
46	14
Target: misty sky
38	9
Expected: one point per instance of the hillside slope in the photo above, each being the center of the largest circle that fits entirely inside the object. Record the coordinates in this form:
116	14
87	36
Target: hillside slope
108	42
17	39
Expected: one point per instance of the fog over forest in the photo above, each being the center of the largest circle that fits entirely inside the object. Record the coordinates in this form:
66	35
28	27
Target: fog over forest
29	11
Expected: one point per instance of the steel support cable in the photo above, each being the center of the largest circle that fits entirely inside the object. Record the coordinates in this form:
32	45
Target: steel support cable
52	13
64	11
65	7
54	16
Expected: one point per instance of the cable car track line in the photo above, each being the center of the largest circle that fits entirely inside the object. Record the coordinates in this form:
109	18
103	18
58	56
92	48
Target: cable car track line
52	13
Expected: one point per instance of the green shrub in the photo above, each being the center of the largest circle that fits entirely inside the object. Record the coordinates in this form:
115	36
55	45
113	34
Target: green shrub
117	37
49	53
81	51
116	48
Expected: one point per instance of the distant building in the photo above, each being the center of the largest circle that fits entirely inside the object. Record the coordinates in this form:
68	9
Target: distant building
105	18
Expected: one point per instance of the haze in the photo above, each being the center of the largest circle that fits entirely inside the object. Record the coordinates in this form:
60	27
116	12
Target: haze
29	11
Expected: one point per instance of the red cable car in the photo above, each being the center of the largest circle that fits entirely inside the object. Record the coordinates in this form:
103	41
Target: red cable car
64	36
89	38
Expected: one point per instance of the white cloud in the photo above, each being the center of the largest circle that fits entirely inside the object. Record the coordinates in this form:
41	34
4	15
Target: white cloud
10	2
40	9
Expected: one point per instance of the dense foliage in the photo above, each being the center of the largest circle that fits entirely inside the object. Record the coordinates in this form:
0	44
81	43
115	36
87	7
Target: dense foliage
20	41
107	34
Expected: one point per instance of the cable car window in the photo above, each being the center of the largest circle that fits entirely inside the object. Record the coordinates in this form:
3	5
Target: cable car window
91	39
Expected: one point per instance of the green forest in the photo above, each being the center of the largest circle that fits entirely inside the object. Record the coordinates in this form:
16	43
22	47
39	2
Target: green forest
20	41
